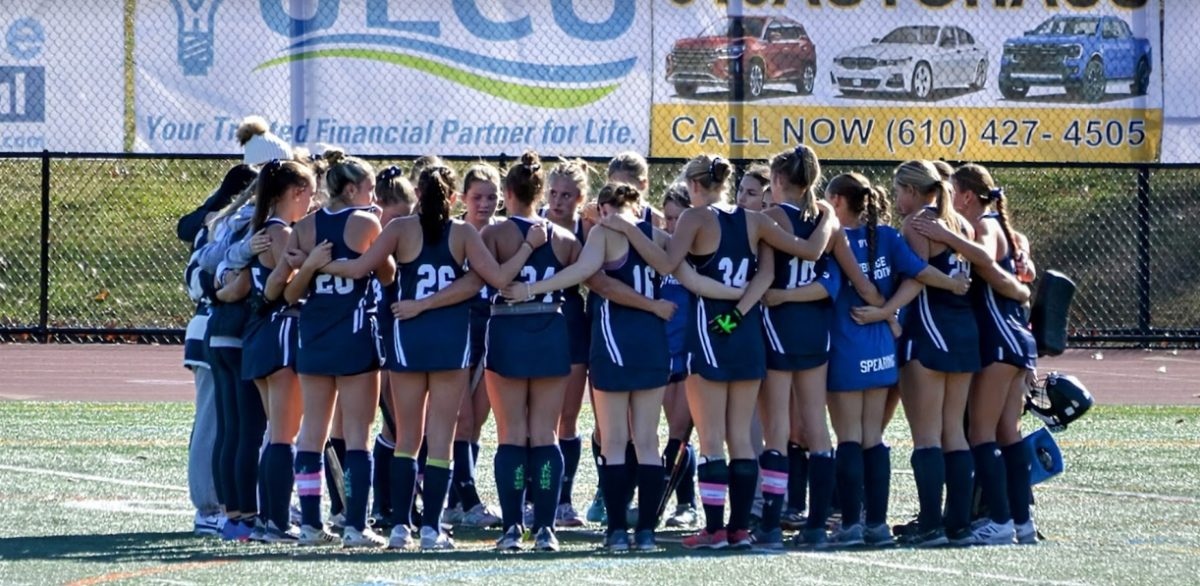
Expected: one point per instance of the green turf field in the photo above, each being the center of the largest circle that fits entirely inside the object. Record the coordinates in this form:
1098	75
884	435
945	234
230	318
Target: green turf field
95	493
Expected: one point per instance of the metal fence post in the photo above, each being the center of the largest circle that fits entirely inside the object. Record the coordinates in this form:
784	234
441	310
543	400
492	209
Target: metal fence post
1143	252
44	272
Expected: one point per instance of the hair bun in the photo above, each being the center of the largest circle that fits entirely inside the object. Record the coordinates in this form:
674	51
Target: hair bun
334	156
996	194
531	161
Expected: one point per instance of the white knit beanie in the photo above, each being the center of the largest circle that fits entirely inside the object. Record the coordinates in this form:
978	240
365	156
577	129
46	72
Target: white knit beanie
265	147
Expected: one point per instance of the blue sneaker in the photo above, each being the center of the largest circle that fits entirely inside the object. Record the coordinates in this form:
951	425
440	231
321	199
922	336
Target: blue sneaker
772	539
596	512
643	540
617	540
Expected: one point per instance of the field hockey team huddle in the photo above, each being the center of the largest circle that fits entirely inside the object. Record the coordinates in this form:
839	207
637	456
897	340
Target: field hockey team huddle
328	291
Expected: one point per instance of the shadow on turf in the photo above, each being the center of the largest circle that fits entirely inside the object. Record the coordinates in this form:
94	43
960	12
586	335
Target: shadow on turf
185	547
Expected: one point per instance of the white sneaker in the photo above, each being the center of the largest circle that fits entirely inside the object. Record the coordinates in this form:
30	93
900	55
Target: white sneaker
566	516
433	539
274	534
401	538
545	540
481	516
684	516
994	533
209	525
511	539
1026	533
352	537
310	535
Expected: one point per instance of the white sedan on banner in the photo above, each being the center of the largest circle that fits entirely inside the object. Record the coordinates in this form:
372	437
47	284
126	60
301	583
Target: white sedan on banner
913	60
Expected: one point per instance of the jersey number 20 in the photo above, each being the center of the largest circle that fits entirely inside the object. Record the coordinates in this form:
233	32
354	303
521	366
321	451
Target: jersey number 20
326	284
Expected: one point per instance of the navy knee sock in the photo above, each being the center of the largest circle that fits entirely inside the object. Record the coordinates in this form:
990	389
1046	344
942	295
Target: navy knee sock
960	488
403	470
546	470
877	483
511	462
264	487
631	464
651	485
992	480
279	469
381	478
309	475
774	486
613	481
571	450
797	477
929	470
850	480
714	484
685	493
464	475
433	492
821	472
358	487
743	478
335	498
1020	493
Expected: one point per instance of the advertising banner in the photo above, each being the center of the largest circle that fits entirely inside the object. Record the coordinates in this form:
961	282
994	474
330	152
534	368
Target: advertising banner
1181	69
61	82
1063	80
455	77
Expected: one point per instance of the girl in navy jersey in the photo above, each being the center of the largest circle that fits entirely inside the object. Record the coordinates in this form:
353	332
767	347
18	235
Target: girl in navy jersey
338	359
269	341
567	189
939	353
1008	354
480	189
675	406
727	362
862	361
528	361
796	322
631	168
752	188
429	352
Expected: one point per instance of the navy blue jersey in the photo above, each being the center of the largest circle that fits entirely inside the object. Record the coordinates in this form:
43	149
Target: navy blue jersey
1004	334
940	330
337	320
740	355
629	345
677	328
798	333
864	357
575	308
530	345
438	339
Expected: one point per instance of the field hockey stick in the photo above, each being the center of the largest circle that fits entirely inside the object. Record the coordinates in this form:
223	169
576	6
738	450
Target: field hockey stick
677	473
337	490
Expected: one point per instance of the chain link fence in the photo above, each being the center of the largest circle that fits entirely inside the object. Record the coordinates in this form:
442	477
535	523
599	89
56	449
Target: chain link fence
117	118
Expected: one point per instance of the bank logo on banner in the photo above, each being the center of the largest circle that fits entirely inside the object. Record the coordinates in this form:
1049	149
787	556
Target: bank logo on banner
23	87
195	19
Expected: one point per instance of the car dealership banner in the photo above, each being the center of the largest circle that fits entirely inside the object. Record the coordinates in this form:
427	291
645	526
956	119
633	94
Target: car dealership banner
61	86
1044	80
455	77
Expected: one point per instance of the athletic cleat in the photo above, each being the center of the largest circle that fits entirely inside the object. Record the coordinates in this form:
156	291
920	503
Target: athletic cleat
1027	533
273	534
684	516
962	537
434	540
566	516
352	537
739	539
481	516
453	516
851	536
545	540
811	539
337	523
793	520
878	536
643	540
315	536
596	512
208	525
511	539
259	533
617	541
994	533
400	538
772	539
718	539
922	539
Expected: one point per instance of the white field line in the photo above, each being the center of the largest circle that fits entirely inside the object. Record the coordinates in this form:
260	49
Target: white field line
92	478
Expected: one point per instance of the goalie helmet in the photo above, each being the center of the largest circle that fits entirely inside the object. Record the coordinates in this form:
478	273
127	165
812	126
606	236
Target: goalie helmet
1059	400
